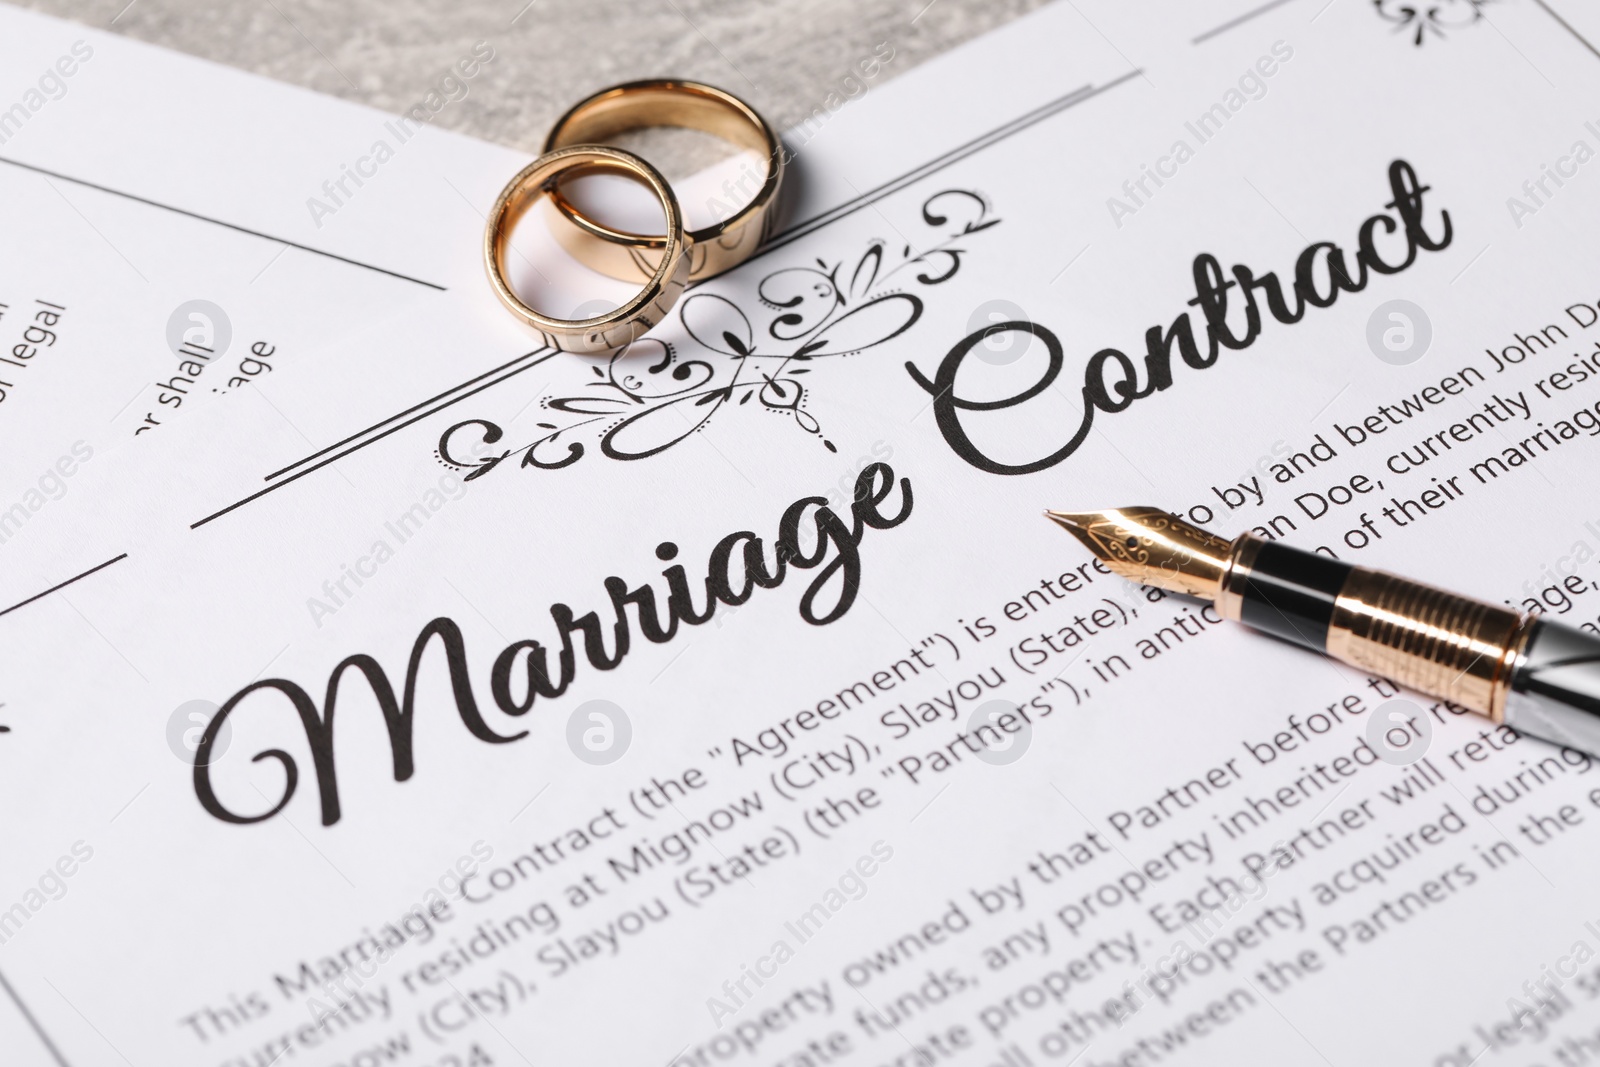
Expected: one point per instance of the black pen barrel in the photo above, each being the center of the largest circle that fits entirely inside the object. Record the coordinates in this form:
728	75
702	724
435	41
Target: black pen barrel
1428	639
1288	592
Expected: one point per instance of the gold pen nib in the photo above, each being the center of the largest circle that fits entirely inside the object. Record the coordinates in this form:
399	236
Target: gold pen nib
1152	547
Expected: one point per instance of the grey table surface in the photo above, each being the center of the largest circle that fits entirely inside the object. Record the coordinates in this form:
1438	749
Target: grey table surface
785	58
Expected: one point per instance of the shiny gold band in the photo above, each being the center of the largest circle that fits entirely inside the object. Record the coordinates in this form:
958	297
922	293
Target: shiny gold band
1236	575
668	102
663	284
1426	639
1448	646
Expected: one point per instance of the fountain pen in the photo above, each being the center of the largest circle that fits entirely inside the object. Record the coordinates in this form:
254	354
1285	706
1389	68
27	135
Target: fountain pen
1536	676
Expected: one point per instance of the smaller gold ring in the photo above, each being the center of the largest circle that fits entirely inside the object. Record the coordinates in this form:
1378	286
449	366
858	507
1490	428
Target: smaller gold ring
663	285
669	102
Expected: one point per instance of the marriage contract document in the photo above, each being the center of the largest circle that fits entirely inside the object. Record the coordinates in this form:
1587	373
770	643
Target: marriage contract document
379	687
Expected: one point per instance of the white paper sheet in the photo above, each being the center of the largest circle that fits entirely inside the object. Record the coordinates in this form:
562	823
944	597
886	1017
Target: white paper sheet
775	837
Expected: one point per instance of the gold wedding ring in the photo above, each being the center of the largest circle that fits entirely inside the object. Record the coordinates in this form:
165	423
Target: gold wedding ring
664	280
669	102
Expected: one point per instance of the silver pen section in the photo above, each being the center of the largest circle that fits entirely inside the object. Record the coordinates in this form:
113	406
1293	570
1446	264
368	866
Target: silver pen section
1555	687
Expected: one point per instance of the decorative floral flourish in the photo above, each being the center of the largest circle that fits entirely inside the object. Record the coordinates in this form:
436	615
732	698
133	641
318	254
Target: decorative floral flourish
650	396
1438	18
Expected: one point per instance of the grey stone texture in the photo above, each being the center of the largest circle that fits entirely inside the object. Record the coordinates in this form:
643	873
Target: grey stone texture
783	57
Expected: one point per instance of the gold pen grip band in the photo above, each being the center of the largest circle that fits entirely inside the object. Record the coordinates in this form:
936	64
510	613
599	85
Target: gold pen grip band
1453	647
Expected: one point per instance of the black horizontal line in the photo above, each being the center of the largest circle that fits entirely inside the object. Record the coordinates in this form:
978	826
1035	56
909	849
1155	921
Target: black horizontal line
63	585
372	440
218	222
1246	17
1568	27
50	1046
402	414
933	166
